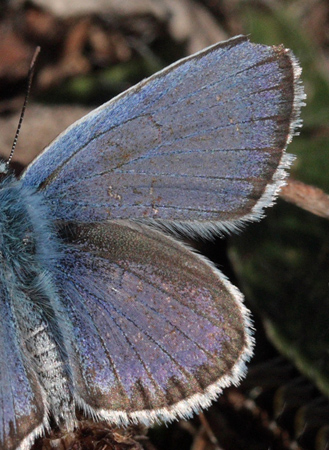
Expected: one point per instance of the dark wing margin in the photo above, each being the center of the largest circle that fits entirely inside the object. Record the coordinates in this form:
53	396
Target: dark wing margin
203	140
158	331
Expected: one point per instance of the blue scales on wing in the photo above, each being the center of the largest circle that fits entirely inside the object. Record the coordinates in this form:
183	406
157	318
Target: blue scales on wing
202	140
156	332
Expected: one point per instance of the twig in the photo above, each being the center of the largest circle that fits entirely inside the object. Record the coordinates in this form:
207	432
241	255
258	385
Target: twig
308	197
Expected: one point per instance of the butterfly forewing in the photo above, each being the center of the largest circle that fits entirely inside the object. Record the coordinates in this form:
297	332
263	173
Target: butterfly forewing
202	140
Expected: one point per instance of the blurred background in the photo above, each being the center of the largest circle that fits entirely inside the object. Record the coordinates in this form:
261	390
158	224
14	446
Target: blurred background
94	49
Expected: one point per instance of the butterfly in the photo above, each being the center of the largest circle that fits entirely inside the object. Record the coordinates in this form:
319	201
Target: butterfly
103	306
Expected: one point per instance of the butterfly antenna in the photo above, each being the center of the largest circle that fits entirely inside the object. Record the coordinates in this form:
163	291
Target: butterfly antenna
29	84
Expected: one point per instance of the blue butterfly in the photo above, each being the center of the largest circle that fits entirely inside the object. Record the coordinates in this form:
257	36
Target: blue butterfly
103	307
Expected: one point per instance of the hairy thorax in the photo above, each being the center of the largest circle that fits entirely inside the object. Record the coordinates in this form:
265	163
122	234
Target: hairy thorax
29	253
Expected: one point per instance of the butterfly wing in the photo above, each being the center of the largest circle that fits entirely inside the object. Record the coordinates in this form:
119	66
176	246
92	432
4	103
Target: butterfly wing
202	140
23	409
158	331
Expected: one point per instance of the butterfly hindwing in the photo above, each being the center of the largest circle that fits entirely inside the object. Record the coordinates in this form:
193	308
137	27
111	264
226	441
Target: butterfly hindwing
23	407
158	331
